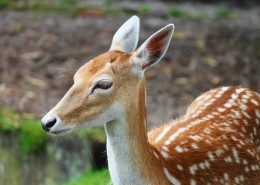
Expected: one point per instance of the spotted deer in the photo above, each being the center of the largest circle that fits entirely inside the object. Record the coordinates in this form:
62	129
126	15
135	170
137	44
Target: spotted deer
217	141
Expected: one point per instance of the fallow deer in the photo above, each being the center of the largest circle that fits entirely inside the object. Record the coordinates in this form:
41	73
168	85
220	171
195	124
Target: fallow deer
217	141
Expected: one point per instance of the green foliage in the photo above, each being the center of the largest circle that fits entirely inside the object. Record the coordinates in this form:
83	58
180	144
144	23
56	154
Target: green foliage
31	136
115	10
47	7
108	2
18	29
69	7
9	121
224	12
41	6
177	12
70	2
93	177
3	4
18	6
143	9
75	10
180	13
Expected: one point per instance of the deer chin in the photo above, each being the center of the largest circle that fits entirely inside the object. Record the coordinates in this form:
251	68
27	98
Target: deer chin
61	132
62	129
112	113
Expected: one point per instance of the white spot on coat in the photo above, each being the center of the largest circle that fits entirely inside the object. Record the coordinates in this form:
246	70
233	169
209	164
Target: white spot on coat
171	178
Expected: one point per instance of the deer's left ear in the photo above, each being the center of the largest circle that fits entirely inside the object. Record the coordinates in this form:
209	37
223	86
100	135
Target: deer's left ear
126	37
153	49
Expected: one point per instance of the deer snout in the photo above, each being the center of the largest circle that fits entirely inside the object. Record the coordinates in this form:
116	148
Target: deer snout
48	122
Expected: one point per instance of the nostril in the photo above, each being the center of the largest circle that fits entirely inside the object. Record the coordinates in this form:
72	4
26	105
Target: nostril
49	124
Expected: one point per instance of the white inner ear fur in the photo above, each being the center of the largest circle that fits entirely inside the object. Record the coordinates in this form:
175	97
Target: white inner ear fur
137	66
126	37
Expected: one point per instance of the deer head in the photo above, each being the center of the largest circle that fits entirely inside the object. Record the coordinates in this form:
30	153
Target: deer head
107	84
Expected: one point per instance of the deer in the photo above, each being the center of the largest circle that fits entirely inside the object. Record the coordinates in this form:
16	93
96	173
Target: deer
217	140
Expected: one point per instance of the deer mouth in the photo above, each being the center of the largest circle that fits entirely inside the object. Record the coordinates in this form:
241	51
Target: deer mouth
60	132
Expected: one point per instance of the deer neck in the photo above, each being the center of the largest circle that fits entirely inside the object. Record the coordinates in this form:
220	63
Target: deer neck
130	157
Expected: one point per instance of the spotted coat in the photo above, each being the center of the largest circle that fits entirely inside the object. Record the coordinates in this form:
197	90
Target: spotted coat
217	141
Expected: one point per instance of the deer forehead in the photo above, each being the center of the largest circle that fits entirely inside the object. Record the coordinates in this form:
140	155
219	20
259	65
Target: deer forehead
109	62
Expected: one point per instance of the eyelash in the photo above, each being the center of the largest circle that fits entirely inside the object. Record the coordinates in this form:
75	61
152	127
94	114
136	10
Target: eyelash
102	85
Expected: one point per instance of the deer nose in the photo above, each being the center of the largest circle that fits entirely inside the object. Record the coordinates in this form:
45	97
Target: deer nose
48	124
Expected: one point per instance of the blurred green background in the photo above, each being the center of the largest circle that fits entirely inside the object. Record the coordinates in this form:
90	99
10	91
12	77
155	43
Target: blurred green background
44	42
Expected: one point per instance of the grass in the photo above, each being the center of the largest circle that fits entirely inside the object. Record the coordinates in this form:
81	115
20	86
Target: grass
224	12
143	9
177	12
93	177
180	13
221	13
68	7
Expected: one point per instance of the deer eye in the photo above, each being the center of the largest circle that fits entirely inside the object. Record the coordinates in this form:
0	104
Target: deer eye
104	84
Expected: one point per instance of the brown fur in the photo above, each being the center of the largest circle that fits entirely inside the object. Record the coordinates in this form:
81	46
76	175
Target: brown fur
142	157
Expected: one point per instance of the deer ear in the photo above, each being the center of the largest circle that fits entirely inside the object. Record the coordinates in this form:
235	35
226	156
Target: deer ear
153	49
126	37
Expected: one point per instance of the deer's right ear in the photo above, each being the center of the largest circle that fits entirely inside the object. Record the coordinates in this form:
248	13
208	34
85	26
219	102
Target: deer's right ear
153	49
126	37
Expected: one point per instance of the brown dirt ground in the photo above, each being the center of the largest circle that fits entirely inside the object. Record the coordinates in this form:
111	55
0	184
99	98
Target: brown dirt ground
39	53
